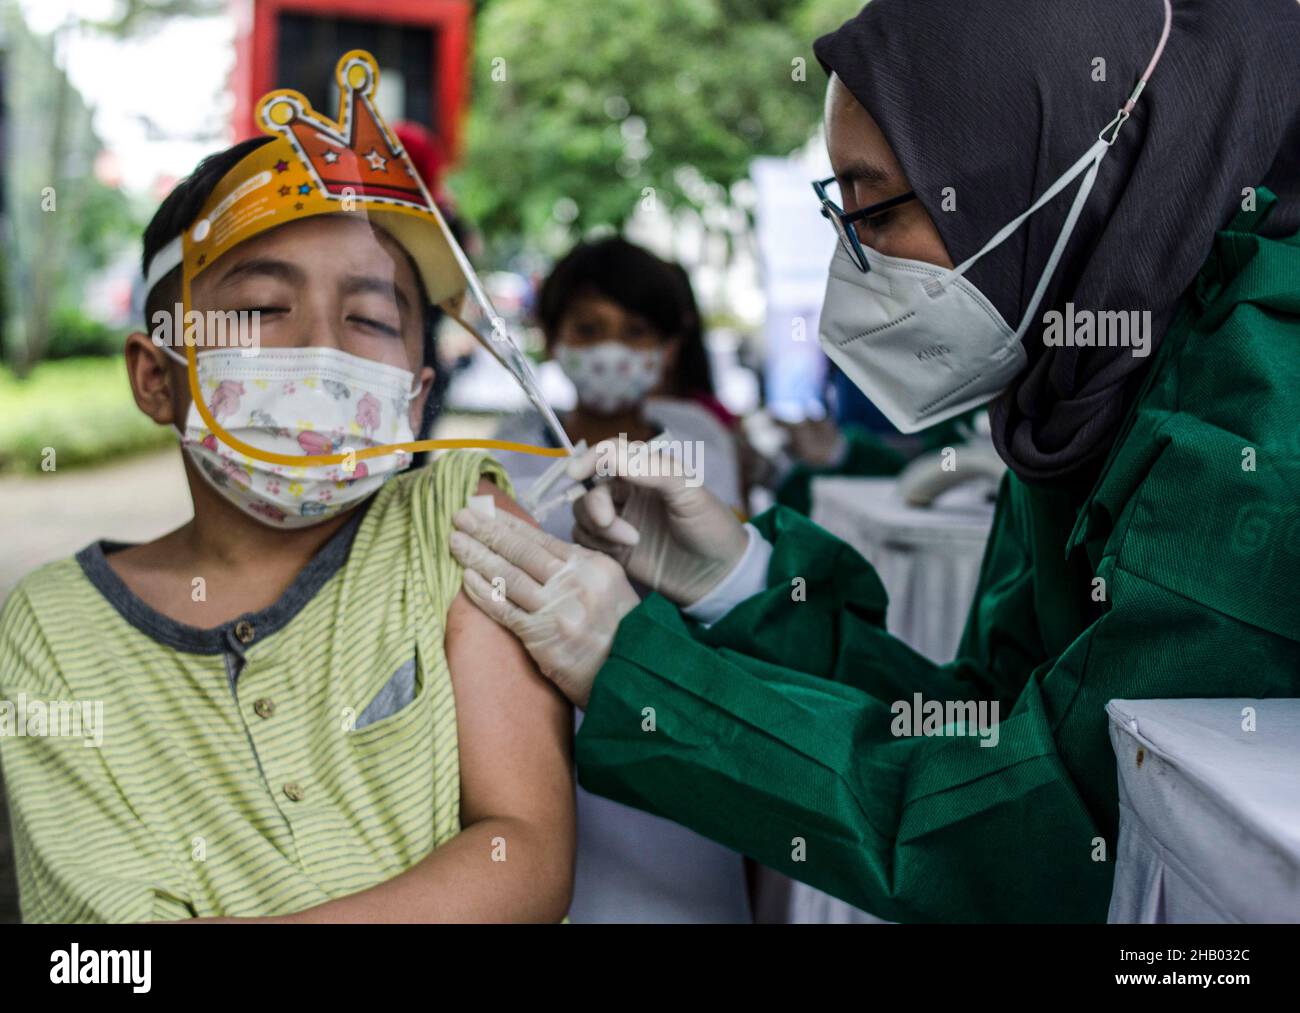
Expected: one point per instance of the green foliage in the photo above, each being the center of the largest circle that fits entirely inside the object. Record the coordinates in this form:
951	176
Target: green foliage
63	223
715	83
134	16
73	335
81	407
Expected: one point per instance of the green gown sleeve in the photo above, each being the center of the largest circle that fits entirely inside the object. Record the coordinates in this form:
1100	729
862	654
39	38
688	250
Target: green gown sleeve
770	732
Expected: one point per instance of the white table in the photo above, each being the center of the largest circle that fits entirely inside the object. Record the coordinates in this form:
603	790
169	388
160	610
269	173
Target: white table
928	558
1209	810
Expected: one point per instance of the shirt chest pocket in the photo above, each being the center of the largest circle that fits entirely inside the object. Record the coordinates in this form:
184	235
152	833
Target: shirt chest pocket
398	711
387	785
394	696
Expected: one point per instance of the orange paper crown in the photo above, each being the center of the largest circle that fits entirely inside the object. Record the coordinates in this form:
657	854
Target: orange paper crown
316	166
356	156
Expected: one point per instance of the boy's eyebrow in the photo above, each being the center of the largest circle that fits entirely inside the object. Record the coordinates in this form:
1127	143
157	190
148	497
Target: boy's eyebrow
293	274
280	269
360	283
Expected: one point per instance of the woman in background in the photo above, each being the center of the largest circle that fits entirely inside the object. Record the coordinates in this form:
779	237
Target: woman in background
624	327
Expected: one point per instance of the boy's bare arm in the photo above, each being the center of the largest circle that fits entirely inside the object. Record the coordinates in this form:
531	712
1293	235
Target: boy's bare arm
513	859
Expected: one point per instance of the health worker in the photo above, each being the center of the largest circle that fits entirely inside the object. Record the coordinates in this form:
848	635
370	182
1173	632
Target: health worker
1012	182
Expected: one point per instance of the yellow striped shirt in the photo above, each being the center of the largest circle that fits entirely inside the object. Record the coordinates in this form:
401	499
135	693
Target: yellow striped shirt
289	757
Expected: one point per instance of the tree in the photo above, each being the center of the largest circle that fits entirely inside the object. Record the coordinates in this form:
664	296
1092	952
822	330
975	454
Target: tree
581	112
63	218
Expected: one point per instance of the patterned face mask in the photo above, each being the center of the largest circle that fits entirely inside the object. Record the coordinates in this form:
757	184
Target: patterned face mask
611	377
300	402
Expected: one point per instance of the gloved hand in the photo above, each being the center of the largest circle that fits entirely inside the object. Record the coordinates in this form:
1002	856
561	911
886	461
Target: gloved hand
818	443
562	601
677	539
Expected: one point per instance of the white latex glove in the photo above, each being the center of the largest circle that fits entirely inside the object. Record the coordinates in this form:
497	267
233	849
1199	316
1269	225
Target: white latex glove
678	539
562	601
816	442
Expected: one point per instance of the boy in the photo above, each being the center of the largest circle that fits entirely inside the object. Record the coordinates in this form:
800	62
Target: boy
303	717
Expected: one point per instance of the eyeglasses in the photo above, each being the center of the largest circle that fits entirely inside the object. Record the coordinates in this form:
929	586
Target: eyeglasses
843	221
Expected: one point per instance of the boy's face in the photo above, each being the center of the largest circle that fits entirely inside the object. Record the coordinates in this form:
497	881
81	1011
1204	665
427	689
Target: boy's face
332	281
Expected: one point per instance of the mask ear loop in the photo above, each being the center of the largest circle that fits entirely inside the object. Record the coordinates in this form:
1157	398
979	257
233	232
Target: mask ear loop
1067	230
1092	157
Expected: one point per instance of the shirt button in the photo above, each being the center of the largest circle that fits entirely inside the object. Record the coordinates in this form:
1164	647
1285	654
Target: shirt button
294	792
244	632
264	707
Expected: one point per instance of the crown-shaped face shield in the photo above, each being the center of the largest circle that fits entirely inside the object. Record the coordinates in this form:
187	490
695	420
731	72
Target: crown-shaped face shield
353	166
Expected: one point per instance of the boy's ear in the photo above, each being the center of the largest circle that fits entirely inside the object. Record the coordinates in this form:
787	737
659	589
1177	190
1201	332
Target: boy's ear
152	377
426	375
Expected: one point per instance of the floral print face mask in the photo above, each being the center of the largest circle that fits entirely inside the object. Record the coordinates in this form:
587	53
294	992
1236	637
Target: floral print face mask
299	401
611	377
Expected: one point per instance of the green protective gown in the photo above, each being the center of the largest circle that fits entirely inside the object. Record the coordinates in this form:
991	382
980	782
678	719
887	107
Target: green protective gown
770	731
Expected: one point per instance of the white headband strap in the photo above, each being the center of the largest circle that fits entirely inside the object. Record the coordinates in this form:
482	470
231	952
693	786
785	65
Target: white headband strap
164	262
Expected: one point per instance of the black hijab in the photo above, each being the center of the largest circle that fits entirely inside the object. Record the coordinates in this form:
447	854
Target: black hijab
996	99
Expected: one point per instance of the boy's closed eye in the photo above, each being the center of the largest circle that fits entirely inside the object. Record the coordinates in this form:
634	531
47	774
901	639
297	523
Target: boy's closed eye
376	314
376	325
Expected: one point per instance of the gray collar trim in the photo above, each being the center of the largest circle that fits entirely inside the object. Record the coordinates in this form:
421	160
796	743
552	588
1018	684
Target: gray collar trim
218	639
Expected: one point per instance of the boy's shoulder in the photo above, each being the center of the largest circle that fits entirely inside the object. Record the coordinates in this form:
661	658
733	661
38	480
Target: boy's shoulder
412	519
448	479
49	589
47	606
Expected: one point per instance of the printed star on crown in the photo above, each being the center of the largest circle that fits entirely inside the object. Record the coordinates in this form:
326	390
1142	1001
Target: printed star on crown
353	160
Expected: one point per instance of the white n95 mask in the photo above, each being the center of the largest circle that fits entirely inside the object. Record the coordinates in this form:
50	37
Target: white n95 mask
304	402
609	376
922	352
